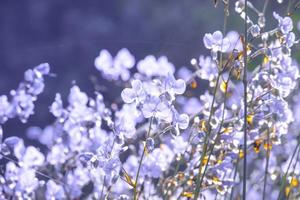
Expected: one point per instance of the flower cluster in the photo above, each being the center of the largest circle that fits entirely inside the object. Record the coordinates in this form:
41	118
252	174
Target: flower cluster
21	102
162	139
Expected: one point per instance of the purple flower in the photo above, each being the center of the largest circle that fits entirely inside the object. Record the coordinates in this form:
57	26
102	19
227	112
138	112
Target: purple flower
27	182
184	73
76	97
179	145
290	39
285	79
280	109
216	43
285	24
15	146
22	99
54	191
208	68
32	157
104	60
75	180
125	127
191	106
57	106
180	120
235	41
126	120
173	86
124	59
4	109
57	154
113	68
155	107
149	66
136	93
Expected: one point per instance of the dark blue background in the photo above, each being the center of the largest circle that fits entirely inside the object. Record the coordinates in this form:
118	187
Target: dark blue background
69	34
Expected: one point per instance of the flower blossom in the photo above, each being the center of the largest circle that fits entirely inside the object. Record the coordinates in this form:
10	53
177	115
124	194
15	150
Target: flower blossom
216	42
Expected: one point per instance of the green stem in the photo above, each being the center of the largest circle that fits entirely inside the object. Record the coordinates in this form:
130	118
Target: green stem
294	170
267	163
289	7
182	159
268	132
198	181
234	177
287	171
265	6
219	130
198	186
135	192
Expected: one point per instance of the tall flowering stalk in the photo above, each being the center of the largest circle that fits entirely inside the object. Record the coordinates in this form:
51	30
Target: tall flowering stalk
245	83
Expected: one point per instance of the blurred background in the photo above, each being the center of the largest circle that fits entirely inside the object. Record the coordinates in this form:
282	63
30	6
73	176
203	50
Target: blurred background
69	35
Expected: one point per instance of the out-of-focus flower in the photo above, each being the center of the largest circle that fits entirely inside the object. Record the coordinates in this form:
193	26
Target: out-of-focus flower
57	106
149	66
208	68
113	68
22	99
54	191
235	41
285	24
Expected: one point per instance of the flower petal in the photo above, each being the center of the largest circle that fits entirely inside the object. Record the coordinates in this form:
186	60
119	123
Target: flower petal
217	36
225	45
137	86
128	95
208	40
183	121
104	60
179	86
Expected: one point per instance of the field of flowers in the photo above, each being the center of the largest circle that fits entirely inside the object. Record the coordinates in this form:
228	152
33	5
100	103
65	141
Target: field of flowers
160	139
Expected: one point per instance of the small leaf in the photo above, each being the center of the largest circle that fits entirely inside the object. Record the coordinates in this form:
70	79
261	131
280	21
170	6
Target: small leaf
223	86
241	154
294	182
250	119
128	179
187	194
287	191
266	60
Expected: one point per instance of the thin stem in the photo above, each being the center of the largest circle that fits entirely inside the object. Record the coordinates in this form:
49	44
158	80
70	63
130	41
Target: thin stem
102	190
287	171
135	192
190	138
234	177
265	6
36	171
219	130
245	103
198	186
288	11
268	134
198	181
297	159
267	164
